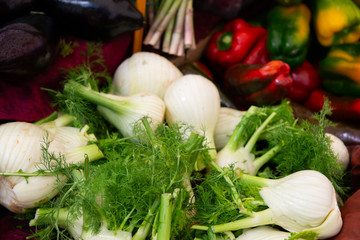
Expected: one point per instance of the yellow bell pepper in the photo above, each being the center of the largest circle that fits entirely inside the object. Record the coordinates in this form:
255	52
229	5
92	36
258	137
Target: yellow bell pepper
336	21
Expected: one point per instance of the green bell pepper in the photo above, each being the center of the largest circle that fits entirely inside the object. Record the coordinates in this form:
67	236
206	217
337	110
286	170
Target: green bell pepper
340	70
288	33
336	21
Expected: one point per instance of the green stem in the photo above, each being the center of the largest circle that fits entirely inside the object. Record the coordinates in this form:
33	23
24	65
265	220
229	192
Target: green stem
260	161
237	137
63	120
211	234
49	118
149	131
194	141
154	228
145	227
24	174
91	151
254	180
164	228
264	217
97	98
252	141
47	216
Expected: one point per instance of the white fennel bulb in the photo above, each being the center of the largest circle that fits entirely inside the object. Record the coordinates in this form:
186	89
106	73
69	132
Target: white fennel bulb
194	100
140	105
340	150
144	72
22	149
263	233
302	201
226	124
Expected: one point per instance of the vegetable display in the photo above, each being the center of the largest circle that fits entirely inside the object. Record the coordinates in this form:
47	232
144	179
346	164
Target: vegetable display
153	144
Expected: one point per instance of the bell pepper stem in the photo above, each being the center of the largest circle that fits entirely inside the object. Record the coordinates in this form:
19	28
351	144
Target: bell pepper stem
224	42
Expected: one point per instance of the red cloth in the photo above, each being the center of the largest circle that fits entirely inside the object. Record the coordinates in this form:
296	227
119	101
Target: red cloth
350	214
24	99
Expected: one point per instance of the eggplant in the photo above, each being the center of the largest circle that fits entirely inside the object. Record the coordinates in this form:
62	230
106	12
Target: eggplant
27	45
12	9
93	19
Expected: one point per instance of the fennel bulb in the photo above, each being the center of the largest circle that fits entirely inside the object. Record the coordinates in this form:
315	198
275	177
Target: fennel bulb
263	233
22	151
194	100
340	151
144	72
226	124
123	111
302	201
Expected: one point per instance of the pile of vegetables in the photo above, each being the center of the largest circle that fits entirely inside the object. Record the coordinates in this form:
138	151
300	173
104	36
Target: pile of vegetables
149	164
146	150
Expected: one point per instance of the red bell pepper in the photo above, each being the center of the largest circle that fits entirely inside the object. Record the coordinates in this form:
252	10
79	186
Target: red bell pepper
255	84
305	80
238	42
343	108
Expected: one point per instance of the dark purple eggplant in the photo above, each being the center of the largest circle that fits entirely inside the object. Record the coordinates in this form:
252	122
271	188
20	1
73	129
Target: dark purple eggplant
93	19
27	45
12	9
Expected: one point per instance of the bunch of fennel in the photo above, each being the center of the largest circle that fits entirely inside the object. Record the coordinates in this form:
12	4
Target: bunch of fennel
302	201
141	191
270	141
30	151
